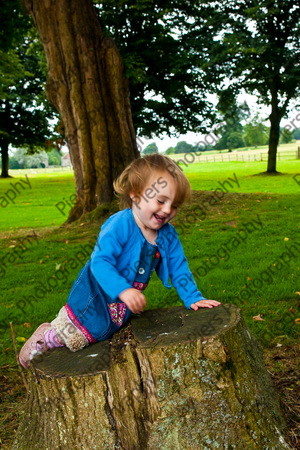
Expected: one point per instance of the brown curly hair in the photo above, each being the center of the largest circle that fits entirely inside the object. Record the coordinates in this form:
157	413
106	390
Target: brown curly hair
135	177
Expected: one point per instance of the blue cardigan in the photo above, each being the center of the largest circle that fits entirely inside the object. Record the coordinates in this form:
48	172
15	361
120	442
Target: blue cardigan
112	269
116	258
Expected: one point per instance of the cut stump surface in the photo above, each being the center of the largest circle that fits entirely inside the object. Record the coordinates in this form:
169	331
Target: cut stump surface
170	379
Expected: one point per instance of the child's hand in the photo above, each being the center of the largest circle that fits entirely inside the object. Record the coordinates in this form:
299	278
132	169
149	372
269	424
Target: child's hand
204	304
134	299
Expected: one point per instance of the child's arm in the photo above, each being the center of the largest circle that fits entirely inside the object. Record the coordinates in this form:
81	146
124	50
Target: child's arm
181	276
108	250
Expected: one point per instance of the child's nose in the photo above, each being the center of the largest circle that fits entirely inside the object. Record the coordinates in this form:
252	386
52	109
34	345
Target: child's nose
166	208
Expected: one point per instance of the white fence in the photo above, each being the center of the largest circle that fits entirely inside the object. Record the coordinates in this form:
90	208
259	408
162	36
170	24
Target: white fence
236	156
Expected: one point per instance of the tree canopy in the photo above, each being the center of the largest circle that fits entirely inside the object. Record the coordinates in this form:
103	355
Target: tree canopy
256	48
175	53
168	90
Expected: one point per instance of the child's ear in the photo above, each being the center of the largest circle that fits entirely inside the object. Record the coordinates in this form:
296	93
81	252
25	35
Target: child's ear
135	198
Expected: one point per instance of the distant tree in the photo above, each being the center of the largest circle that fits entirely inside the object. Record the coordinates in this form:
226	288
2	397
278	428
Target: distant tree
54	158
37	160
234	140
296	133
286	136
170	151
27	161
150	149
183	147
202	147
231	131
14	163
256	133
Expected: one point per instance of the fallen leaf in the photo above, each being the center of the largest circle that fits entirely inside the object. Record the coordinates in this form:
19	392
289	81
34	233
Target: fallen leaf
248	278
298	293
27	325
286	239
20	339
297	321
58	266
258	317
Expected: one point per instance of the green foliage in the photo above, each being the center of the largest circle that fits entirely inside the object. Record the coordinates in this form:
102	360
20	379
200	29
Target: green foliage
24	109
231	131
296	133
235	140
183	147
255	134
14	24
259	48
156	41
150	149
286	136
170	151
21	160
54	158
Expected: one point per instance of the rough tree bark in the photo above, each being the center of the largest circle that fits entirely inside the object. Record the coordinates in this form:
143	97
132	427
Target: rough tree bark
4	158
171	379
86	84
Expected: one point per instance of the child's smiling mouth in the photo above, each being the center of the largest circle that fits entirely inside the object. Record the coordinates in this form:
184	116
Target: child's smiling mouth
160	219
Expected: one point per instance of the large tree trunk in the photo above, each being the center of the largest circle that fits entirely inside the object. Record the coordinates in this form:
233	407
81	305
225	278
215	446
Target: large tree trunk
173	379
4	159
86	84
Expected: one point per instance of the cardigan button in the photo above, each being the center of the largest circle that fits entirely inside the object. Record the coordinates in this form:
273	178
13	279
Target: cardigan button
141	270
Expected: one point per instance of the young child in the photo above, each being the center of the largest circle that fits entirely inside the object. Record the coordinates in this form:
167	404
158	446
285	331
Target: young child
131	245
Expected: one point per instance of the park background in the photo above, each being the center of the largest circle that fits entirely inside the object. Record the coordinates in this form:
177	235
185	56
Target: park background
240	231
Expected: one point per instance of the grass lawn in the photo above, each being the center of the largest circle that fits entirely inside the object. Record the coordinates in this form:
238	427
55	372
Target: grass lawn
242	244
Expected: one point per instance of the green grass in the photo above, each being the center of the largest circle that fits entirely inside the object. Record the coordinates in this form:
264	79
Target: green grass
208	176
35	204
230	278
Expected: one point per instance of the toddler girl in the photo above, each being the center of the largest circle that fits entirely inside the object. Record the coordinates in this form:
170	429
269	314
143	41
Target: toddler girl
131	245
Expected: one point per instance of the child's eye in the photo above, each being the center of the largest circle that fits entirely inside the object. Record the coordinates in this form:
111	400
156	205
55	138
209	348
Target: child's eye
160	202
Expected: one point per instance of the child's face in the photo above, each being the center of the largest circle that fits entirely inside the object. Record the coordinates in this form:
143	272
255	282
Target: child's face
155	206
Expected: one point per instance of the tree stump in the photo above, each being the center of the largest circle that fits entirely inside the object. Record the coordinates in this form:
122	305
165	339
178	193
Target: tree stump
170	379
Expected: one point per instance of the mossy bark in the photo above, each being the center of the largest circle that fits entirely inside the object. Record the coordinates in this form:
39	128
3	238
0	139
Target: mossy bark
87	85
171	379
